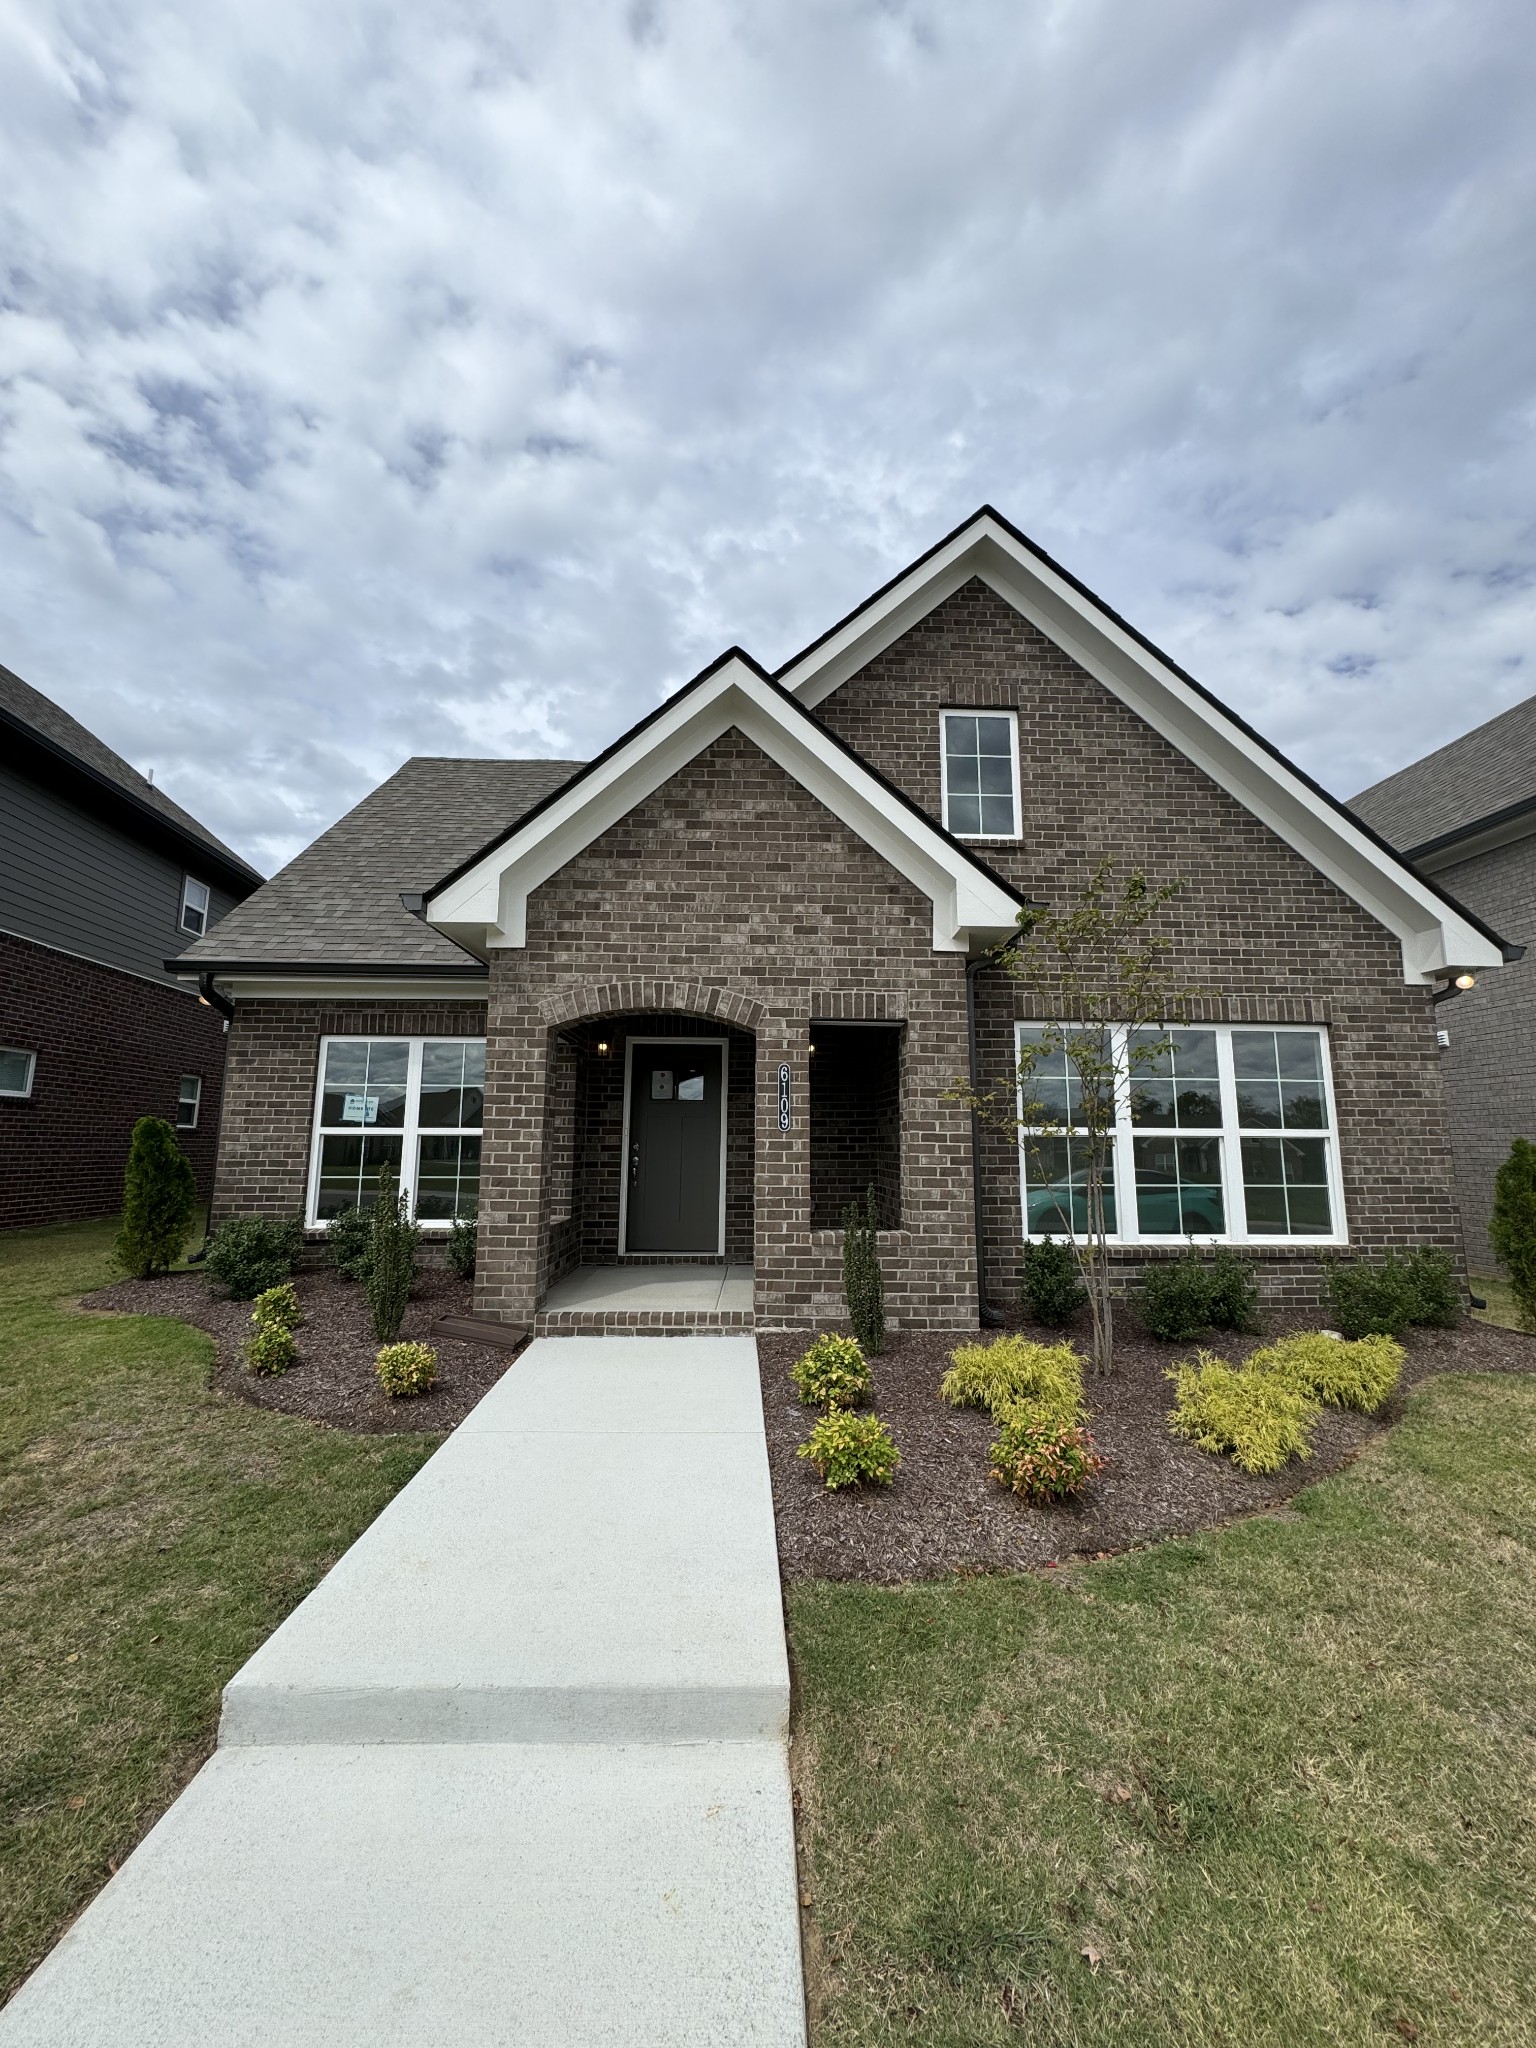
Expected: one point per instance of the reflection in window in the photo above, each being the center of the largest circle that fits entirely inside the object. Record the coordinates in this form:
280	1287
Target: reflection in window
414	1106
980	800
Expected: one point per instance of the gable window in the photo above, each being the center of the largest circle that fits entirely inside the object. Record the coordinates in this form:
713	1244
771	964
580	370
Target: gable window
189	1101
980	773
415	1105
194	905
16	1070
1228	1135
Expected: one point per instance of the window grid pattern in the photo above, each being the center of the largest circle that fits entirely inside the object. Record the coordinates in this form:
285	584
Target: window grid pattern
195	901
415	1105
189	1101
980	754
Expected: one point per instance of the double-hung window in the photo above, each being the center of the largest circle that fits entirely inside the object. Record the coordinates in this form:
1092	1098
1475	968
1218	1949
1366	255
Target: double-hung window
189	1102
1222	1132
979	755
414	1105
195	900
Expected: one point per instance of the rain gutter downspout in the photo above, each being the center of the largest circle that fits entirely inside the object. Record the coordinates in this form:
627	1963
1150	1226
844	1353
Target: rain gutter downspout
992	1318
226	1009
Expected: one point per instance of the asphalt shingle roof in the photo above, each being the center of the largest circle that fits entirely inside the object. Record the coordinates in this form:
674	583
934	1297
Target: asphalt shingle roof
339	903
1483	772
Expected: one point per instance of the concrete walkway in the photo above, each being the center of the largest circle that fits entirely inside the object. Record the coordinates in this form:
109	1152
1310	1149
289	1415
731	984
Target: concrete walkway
651	1287
514	1773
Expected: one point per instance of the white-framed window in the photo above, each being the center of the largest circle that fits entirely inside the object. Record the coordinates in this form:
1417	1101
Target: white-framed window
979	773
16	1070
1228	1137
194	905
415	1105
189	1102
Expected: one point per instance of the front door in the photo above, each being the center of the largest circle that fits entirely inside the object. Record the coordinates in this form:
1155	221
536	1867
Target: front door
676	1118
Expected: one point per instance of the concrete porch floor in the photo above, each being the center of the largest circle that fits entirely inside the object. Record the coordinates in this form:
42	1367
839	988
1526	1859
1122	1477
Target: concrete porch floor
649	1290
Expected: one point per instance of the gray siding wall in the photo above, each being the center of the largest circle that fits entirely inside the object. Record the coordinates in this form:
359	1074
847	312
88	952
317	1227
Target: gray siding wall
70	881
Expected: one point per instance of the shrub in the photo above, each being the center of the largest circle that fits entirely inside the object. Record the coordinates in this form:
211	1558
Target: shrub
1332	1369
1512	1233
349	1243
462	1243
849	1449
405	1369
1371	1301
832	1374
1050	1288
1432	1282
1039	1460
278	1305
1176	1298
1258	1417
272	1349
159	1200
863	1286
1048	1378
392	1259
1234	1293
249	1254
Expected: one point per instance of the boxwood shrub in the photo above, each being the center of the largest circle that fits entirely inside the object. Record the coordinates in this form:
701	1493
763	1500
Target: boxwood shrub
249	1254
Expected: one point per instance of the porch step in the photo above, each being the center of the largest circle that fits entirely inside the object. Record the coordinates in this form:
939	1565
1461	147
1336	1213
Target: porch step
655	1322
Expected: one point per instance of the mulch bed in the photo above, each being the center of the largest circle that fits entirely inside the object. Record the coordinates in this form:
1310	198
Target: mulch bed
333	1380
943	1514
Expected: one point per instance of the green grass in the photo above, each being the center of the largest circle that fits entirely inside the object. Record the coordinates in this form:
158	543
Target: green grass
1278	1783
152	1532
1500	1297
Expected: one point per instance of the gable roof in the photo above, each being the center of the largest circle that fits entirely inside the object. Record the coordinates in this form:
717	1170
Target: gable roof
48	734
1438	936
483	902
1481	784
337	905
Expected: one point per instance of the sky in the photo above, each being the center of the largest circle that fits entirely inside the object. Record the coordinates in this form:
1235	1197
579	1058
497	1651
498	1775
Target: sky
460	379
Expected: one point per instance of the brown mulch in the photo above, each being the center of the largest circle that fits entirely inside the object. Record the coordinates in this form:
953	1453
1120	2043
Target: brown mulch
942	1513
333	1380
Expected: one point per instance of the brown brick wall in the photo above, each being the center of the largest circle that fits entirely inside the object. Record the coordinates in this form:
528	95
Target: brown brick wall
111	1048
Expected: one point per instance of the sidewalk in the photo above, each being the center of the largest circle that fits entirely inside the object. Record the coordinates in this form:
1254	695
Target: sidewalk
514	1773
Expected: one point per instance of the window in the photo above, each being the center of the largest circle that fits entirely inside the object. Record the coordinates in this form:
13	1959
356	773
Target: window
415	1105
980	774
194	905
189	1102
1227	1134
16	1070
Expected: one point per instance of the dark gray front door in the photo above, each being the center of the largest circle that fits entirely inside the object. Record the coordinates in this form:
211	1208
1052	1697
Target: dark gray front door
676	1102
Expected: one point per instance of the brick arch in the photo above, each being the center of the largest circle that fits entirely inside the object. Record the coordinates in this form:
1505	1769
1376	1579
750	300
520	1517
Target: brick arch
690	998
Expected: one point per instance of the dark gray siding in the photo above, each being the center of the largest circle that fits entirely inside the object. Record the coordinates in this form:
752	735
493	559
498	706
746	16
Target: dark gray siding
70	881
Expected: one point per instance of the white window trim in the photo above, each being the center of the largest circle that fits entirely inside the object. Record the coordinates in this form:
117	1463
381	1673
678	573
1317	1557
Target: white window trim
197	1101
982	711
410	1131
21	1094
189	882
725	1111
1231	1136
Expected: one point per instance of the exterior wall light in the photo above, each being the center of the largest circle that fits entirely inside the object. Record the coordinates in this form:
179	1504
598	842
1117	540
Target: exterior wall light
1466	981
602	1045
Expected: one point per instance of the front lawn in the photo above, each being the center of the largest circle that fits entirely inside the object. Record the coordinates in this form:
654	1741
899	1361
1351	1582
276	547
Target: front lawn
152	1532
1274	1785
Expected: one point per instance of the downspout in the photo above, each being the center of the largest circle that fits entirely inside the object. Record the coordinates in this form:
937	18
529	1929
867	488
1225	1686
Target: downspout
992	1318
209	994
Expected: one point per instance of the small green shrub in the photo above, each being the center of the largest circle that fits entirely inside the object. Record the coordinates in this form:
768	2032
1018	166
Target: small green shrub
278	1305
1011	1370
1512	1232
1432	1283
850	1450
349	1243
1199	1291
463	1240
834	1373
1234	1293
863	1284
159	1200
1039	1460
1258	1418
249	1254
392	1259
405	1369
1346	1374
271	1350
1050	1288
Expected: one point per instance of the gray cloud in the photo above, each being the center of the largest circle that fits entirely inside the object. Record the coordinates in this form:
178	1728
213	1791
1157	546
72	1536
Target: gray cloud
377	381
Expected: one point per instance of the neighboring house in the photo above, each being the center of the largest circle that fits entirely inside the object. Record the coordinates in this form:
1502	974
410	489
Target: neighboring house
1466	815
100	876
687	1001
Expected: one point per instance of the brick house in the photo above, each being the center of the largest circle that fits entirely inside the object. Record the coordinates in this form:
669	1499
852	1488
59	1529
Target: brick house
100	873
1466	814
676	1007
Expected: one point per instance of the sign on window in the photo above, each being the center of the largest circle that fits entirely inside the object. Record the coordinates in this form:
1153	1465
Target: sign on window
360	1109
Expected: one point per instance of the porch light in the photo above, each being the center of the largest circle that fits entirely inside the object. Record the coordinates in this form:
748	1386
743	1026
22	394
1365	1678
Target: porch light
602	1045
1466	981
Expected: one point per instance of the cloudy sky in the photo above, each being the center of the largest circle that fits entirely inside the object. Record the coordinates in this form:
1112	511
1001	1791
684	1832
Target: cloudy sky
459	378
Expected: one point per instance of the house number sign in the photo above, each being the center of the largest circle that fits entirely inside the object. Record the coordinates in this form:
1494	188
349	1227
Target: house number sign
783	1098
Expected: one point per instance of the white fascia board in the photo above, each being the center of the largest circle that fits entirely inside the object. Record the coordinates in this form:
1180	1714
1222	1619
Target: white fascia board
486	908
1435	941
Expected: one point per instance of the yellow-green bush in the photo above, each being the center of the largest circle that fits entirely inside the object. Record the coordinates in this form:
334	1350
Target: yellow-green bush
847	1449
406	1368
278	1305
272	1349
832	1374
1358	1373
1259	1418
1000	1375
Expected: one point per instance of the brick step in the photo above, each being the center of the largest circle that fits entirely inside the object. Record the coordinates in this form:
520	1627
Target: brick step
656	1322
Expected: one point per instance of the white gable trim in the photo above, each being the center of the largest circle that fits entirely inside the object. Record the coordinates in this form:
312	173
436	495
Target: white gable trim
486	907
1435	939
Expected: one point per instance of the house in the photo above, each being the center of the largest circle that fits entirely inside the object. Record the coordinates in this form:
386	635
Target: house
679	1005
1466	816
100	876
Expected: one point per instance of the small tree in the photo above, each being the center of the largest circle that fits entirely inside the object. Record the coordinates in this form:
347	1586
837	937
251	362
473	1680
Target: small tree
1512	1232
863	1285
1097	966
393	1262
159	1200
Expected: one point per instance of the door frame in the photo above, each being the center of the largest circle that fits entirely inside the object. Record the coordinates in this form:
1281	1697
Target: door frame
725	1106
